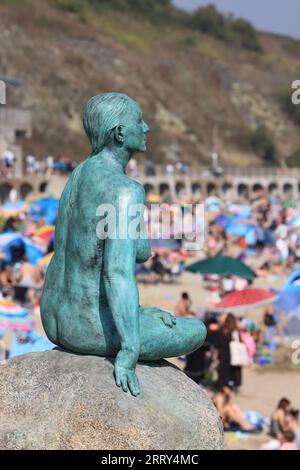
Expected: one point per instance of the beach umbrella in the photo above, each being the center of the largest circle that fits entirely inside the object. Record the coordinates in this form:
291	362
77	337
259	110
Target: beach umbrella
46	208
13	209
290	203
46	259
46	232
240	210
288	300
8	240
13	317
251	237
213	204
222	265
238	230
13	239
244	299
153	198
33	253
224	219
213	200
293	281
289	297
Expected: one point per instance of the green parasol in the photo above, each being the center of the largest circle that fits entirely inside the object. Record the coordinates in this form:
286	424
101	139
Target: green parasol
223	266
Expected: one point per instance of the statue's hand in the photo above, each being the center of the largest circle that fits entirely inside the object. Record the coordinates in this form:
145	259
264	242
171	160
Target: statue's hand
168	319
124	372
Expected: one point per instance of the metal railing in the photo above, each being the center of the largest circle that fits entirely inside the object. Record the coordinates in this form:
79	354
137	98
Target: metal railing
199	172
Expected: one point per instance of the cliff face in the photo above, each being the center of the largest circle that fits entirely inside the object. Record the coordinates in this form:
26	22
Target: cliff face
187	83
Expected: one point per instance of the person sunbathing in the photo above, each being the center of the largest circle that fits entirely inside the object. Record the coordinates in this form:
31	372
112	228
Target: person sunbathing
230	412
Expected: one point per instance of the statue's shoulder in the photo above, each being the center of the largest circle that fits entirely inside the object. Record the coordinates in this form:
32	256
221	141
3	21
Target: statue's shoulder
131	188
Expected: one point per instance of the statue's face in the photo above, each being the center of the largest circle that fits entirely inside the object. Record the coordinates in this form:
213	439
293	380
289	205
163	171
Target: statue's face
135	129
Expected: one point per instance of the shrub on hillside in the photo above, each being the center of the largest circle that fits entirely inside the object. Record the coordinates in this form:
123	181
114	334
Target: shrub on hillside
244	33
210	21
262	144
294	159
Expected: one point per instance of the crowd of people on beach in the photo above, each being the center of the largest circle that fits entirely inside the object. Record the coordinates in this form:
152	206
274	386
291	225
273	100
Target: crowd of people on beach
263	233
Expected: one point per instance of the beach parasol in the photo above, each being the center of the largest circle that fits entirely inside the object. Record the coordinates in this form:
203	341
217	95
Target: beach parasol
153	198
46	259
213	204
8	240
33	253
13	317
13	209
240	210
224	219
244	299
45	232
222	265
46	208
289	297
238	230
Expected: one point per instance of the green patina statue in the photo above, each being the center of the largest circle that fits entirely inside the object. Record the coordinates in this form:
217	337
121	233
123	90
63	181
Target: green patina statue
90	302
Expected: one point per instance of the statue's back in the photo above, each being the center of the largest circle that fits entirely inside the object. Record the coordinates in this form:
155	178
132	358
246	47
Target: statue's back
74	296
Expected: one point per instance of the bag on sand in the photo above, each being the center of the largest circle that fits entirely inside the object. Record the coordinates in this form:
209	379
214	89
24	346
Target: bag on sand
238	351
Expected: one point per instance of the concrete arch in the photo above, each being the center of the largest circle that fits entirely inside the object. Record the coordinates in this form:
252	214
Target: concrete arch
148	188
272	187
164	188
211	187
243	190
25	189
287	188
43	187
196	188
226	187
179	187
257	187
5	189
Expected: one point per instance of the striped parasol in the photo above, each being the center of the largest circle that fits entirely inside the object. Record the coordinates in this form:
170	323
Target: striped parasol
45	232
46	259
13	317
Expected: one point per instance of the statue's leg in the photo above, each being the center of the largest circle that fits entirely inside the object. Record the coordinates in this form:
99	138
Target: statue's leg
159	340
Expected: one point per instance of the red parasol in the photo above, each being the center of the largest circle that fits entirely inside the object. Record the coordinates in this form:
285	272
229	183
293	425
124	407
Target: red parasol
243	299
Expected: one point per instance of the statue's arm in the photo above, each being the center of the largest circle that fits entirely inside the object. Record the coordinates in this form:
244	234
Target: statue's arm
123	299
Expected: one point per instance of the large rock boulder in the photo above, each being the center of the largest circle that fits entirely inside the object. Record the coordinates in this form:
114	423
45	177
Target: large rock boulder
58	400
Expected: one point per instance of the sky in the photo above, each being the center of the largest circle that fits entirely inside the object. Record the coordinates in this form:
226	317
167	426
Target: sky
277	16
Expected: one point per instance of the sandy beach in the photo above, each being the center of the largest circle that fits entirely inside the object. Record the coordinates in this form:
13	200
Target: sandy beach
262	387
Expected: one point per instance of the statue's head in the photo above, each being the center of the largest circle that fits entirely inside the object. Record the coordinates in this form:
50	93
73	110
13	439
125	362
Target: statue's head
114	119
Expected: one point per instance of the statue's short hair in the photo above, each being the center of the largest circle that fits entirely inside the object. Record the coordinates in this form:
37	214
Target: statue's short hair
101	115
